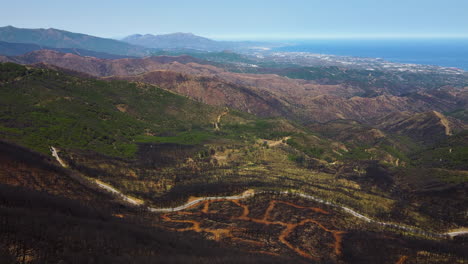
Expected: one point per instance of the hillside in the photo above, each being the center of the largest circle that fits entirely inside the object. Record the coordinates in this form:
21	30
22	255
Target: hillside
213	91
15	49
89	225
428	127
301	100
161	150
99	67
43	175
56	38
102	230
43	107
450	153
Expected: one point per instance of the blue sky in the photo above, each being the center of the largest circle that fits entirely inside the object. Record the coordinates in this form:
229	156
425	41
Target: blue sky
245	19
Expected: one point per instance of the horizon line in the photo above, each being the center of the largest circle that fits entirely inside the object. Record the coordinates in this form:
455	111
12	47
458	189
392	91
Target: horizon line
325	37
278	37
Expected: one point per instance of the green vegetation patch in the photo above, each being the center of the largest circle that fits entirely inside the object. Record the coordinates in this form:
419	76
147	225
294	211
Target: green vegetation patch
451	153
184	138
264	129
42	108
312	151
357	153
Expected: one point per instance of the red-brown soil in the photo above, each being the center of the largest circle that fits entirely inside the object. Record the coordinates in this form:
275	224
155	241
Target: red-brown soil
268	219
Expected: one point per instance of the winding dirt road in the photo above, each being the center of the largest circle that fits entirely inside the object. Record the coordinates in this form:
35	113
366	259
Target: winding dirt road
252	193
218	119
112	190
57	157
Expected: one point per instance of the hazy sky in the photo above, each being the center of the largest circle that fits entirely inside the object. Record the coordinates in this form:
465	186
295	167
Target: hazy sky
244	19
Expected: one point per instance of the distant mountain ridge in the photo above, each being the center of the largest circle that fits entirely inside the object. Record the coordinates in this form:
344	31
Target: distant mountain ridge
189	41
135	45
171	41
15	49
56	38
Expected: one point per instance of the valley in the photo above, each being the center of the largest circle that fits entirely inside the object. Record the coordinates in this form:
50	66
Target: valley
194	201
145	155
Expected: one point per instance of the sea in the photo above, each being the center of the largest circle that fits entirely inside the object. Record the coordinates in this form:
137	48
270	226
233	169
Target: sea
446	52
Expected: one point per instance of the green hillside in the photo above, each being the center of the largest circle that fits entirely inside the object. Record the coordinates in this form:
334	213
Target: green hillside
42	108
162	149
172	150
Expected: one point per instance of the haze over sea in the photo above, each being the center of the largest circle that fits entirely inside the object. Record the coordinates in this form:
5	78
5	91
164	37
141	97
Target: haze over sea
449	52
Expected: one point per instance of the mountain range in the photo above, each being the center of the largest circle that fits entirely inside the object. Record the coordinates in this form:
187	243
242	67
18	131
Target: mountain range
189	41
17	41
116	152
15	49
56	38
303	100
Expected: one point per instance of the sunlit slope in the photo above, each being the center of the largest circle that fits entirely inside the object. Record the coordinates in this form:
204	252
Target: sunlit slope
42	108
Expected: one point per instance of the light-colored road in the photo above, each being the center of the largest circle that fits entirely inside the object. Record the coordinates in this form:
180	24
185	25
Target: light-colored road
111	189
56	156
251	193
245	195
218	119
457	233
274	143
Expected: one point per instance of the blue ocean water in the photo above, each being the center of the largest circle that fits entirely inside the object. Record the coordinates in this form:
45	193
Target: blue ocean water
441	52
